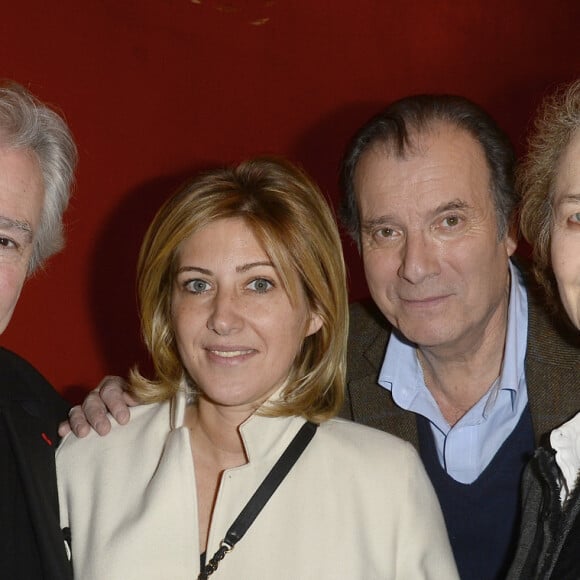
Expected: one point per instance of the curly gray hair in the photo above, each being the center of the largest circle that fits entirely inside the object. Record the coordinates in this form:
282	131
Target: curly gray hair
556	123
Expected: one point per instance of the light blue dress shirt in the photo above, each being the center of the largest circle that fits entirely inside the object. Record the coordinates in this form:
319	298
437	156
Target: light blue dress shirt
466	448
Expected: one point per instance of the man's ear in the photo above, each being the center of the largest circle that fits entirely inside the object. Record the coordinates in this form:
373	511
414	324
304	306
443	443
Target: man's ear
511	238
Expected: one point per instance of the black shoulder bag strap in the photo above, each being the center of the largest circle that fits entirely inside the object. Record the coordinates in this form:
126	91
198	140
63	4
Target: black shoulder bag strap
261	496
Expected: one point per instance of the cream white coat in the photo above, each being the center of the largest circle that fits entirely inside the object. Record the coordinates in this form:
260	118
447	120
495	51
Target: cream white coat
357	505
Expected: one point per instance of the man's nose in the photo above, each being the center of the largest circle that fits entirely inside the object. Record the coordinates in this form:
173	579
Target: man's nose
419	258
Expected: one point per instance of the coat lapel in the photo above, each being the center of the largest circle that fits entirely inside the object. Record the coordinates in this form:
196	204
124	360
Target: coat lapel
370	403
552	370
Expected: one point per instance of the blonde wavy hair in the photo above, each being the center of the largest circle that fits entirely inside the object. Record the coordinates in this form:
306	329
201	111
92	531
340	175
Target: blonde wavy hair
296	228
556	123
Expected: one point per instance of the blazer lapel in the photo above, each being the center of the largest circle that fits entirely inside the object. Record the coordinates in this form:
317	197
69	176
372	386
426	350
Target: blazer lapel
370	403
552	375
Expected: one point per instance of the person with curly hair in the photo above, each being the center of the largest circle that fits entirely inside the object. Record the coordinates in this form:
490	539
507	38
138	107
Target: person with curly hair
549	181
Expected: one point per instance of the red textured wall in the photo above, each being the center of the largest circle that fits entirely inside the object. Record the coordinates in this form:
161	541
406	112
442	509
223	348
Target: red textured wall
156	89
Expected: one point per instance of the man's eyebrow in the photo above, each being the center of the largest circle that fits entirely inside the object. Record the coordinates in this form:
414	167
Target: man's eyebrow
455	204
10	224
449	205
239	269
372	223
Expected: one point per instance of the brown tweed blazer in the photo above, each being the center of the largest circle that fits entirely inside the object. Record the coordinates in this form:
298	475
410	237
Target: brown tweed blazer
552	372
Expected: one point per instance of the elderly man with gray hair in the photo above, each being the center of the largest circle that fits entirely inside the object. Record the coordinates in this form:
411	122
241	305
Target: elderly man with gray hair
37	162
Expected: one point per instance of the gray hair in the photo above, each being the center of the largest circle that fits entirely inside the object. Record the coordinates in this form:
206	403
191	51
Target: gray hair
397	125
26	123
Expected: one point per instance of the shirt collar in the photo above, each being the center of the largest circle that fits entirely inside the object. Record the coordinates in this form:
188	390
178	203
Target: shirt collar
512	376
563	441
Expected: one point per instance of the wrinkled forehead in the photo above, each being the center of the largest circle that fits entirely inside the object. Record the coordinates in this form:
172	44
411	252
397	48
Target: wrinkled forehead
447	157
22	186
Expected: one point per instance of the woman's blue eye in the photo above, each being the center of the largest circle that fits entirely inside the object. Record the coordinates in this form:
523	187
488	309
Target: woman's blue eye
196	286
260	285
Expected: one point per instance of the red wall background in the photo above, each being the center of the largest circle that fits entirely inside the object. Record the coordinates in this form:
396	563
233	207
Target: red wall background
157	89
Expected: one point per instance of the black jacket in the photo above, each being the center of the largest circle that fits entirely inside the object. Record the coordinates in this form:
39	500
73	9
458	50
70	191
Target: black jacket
548	545
30	411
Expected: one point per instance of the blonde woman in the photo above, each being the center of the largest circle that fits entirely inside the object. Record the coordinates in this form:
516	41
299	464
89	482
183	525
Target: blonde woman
244	310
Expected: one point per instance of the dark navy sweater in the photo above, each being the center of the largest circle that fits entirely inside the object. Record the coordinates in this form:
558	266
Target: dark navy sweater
482	517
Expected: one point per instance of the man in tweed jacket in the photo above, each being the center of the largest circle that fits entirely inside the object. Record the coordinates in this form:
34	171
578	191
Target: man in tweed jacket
552	367
457	354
